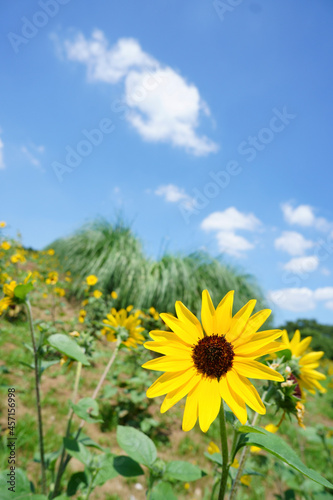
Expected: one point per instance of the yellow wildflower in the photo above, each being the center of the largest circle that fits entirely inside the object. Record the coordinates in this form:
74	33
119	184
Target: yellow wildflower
5	245
114	295
52	278
74	334
246	479
60	291
120	320
213	448
271	428
50	251
235	464
17	257
91	280
3	224
97	294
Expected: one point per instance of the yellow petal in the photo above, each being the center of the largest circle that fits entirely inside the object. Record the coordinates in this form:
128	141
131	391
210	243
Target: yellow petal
295	340
267	349
223	313
302	346
311	357
185	333
285	338
208	313
189	320
171	348
235	403
246	390
255	322
313	374
168	382
239	321
169	364
242	348
209	402
177	394
191	410
162	335
252	369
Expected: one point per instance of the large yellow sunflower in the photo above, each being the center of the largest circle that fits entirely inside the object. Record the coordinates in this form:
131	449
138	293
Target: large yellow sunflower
305	373
131	323
213	362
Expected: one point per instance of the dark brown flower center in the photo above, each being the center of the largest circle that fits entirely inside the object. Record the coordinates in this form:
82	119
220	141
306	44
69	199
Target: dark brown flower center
213	356
297	390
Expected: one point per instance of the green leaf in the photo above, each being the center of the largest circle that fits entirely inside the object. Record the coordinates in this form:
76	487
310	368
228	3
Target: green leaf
257	436
21	291
22	486
77	481
137	445
87	441
162	491
214	457
183	471
286	354
87	409
126	466
66	345
106	469
78	451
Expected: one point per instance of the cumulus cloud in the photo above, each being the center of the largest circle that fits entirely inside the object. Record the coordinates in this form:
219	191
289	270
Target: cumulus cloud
292	242
173	194
301	299
226	224
301	265
303	215
160	104
2	163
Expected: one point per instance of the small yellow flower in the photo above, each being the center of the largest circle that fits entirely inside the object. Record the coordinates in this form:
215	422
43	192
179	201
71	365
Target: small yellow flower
235	464
60	291
45	295
97	294
187	486
84	302
50	251
82	315
69	280
152	310
213	448
246	479
271	428
255	449
52	278
129	308
74	334
114	295
5	245
131	323
3	224
17	257
91	280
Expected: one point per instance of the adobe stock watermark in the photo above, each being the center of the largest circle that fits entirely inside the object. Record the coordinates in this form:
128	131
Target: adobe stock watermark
221	179
30	27
225	7
94	138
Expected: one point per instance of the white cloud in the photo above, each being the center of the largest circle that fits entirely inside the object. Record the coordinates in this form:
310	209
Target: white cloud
2	163
301	299
302	264
325	271
325	293
226	224
159	103
229	220
173	194
292	242
293	299
303	215
233	244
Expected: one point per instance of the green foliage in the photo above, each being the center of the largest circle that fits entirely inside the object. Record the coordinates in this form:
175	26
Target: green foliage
114	254
66	345
322	335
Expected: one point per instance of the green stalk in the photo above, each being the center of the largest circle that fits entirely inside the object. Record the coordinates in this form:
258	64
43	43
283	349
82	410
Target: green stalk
69	422
38	402
244	455
225	459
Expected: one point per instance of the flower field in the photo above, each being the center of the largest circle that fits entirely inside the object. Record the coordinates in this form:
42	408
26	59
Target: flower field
128	378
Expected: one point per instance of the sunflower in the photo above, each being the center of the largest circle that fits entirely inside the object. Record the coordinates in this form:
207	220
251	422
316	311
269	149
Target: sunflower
304	371
91	280
126	325
212	362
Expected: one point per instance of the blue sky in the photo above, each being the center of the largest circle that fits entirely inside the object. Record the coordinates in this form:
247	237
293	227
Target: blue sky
207	124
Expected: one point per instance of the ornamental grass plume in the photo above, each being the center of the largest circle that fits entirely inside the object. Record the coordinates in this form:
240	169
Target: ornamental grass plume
212	362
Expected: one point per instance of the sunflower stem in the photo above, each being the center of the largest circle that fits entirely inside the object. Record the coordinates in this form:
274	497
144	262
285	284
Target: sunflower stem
225	459
38	401
243	457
